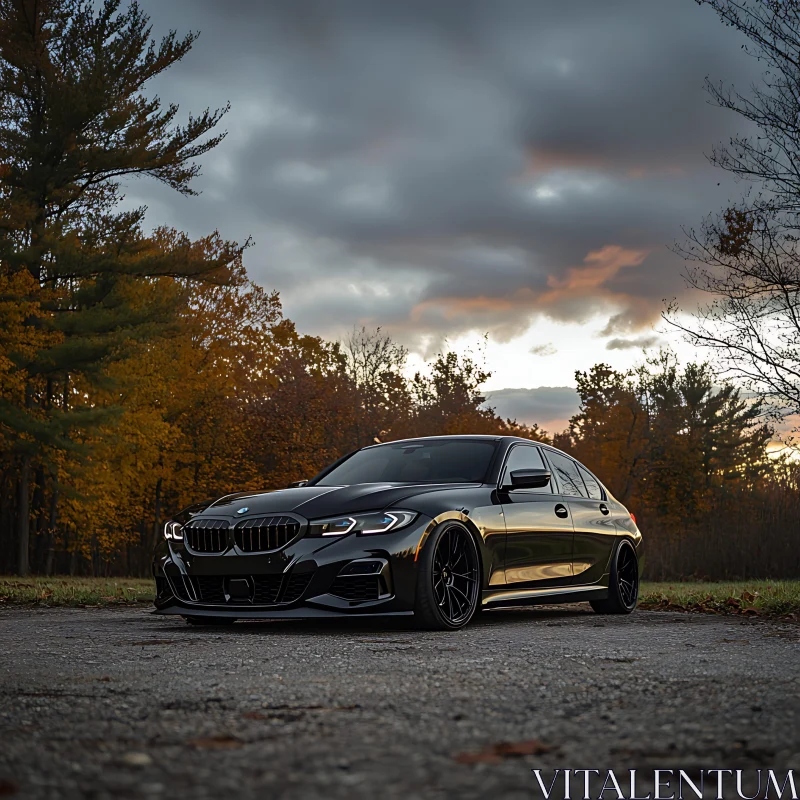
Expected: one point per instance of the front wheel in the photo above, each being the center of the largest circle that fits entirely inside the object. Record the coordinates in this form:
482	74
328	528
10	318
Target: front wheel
623	583
448	581
210	620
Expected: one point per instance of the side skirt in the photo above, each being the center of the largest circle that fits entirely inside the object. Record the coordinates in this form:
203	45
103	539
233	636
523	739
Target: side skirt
532	597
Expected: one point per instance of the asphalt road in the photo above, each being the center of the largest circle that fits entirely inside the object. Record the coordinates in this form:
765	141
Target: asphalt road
115	703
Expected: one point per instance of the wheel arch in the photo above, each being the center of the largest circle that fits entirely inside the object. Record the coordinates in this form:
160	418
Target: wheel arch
638	550
462	518
626	537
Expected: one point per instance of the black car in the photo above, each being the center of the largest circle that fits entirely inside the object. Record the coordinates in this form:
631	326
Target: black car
438	528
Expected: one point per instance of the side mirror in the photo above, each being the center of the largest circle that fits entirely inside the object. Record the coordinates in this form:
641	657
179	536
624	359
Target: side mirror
529	478
297	484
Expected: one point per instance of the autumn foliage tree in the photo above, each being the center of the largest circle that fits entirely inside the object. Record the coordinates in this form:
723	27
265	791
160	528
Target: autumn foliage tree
609	434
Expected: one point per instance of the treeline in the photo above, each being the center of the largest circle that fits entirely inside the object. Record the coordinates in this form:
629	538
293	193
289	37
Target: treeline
689	458
232	398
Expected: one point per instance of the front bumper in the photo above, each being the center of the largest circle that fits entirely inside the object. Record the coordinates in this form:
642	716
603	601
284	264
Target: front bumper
352	575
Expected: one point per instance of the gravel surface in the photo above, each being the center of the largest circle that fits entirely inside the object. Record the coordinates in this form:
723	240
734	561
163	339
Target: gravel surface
110	703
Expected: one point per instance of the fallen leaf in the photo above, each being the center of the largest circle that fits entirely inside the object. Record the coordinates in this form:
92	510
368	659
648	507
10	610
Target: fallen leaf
532	747
495	753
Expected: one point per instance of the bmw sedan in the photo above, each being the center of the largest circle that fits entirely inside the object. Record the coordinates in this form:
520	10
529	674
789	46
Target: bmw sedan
435	528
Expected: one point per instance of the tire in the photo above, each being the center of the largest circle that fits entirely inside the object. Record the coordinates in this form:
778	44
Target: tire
623	582
210	620
448	579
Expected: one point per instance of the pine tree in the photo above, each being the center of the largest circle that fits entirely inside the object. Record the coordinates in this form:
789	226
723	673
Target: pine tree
74	122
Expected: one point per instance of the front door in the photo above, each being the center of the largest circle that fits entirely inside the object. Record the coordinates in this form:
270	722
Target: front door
538	527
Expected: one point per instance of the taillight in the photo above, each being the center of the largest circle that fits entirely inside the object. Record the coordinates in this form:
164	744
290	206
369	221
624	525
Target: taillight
633	517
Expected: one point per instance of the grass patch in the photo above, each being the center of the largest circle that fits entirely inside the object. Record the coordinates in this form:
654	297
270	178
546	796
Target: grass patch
749	598
65	591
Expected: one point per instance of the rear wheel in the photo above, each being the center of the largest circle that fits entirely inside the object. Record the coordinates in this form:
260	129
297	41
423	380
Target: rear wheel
210	620
623	583
448	581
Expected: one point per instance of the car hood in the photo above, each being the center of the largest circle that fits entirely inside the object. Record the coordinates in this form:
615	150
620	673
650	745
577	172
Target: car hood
315	502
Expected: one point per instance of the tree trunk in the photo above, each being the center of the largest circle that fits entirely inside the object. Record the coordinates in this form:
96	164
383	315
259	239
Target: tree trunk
51	529
73	562
156	526
39	515
23	517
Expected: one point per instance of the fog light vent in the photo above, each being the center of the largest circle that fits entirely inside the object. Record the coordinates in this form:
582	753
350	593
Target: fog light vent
366	567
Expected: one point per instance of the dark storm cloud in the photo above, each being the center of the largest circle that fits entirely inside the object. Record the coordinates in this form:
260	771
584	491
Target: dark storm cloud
438	167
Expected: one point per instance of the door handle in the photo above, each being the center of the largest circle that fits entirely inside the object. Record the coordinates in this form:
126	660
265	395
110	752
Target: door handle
561	511
603	508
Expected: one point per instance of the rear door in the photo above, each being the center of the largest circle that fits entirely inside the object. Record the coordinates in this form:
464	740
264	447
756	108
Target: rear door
538	527
595	531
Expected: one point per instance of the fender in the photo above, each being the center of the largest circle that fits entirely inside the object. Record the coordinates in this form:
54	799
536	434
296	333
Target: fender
464	518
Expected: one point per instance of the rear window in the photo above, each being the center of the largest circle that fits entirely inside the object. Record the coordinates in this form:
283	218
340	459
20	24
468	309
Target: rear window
570	482
592	486
448	461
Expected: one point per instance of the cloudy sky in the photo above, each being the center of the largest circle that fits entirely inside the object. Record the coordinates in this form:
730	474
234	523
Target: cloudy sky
449	168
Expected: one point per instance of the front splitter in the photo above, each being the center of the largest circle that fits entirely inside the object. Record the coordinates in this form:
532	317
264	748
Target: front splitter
278	613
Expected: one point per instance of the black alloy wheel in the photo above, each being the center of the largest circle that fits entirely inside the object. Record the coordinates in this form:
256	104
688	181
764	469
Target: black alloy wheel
623	584
449	585
628	576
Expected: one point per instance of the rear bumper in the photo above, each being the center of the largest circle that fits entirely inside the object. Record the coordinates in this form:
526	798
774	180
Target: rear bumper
355	575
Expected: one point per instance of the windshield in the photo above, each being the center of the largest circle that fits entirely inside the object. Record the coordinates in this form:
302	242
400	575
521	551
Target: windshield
448	461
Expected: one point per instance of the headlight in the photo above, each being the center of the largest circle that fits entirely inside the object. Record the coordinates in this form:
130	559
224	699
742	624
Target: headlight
382	522
173	530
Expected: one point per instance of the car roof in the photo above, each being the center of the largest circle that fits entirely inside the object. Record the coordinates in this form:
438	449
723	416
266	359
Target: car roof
470	437
457	436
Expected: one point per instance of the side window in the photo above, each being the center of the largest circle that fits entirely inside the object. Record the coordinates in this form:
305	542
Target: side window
523	456
592	486
569	479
